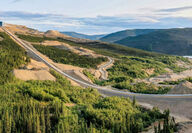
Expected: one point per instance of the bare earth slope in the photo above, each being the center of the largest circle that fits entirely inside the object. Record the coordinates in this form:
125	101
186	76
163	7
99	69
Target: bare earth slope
182	88
33	75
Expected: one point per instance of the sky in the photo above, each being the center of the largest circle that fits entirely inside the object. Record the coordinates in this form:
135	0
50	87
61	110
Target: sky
97	16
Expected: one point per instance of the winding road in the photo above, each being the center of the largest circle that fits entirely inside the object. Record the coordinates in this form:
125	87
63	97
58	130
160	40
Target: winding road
180	105
102	68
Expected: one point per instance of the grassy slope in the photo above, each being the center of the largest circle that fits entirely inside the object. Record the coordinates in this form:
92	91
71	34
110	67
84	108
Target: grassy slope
171	41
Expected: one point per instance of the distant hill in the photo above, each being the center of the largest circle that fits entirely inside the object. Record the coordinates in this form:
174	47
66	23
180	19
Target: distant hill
83	36
113	37
168	41
100	47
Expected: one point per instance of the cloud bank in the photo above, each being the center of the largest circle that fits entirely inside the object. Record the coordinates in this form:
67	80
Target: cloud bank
99	24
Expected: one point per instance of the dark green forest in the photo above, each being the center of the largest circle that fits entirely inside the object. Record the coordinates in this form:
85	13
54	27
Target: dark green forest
68	57
11	56
34	39
175	41
56	106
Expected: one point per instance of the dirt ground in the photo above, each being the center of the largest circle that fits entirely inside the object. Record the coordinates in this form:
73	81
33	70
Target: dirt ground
1	30
33	75
96	73
22	29
34	71
53	34
168	77
37	65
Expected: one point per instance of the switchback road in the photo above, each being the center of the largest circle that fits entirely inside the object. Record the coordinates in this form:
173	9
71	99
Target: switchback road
180	104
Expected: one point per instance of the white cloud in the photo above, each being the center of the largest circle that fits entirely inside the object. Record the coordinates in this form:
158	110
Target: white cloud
101	24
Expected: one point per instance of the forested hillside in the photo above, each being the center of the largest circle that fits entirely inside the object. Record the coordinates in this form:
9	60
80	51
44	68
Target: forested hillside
68	57
170	41
57	106
11	56
113	37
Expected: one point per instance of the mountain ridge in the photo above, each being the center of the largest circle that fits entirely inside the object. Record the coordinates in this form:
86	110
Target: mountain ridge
113	37
83	36
176	41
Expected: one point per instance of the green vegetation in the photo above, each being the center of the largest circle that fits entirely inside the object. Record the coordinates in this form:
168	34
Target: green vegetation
41	106
129	64
142	88
68	57
108	49
176	82
168	41
113	37
31	38
83	36
127	69
11	56
90	76
56	106
169	125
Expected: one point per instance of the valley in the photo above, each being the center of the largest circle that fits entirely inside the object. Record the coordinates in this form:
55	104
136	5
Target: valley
145	66
86	66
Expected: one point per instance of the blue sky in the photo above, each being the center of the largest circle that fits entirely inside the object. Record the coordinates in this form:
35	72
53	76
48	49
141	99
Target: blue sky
97	16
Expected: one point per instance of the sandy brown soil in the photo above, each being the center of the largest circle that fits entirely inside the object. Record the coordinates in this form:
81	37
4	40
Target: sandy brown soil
37	65
70	104
1	30
33	75
22	29
53	34
96	73
76	70
149	71
169	77
34	71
